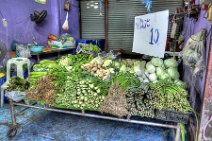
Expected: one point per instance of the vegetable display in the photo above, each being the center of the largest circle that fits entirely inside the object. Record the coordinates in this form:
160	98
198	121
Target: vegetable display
34	76
115	103
96	68
170	96
157	69
45	65
120	87
44	91
81	94
17	84
126	80
140	101
88	48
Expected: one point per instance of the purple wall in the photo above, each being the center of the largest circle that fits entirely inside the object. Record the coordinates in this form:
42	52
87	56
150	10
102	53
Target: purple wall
21	29
196	85
191	27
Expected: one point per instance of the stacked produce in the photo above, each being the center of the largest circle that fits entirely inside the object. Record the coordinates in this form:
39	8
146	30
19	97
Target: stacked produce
98	68
119	87
126	80
34	76
140	101
115	103
81	94
17	84
169	96
157	69
88	48
45	65
74	62
44	91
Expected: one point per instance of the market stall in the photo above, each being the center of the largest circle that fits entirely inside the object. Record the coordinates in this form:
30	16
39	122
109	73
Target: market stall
107	87
160	82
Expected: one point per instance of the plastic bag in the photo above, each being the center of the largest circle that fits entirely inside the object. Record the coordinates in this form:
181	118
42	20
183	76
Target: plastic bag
193	53
23	51
16	96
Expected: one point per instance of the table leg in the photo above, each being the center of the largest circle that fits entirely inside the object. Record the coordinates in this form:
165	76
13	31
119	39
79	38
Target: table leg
38	58
2	97
15	126
177	134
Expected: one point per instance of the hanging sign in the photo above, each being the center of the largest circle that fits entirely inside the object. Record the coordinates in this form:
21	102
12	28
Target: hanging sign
150	33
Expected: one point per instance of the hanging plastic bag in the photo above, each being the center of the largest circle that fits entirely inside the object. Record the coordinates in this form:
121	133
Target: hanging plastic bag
23	51
148	4
65	25
193	53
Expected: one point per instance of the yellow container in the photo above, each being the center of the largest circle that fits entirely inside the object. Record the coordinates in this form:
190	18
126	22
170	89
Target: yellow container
2	75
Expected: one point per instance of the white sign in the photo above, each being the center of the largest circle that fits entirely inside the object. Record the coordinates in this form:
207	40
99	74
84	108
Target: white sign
150	33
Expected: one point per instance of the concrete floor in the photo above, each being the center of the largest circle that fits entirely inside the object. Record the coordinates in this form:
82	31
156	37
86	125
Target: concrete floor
38	125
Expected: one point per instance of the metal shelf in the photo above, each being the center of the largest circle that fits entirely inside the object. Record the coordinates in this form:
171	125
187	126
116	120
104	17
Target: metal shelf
172	53
15	126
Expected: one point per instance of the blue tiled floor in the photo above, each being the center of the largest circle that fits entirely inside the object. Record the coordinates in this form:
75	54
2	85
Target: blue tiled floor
38	125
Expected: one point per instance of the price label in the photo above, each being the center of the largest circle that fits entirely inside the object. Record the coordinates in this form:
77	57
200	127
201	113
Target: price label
150	33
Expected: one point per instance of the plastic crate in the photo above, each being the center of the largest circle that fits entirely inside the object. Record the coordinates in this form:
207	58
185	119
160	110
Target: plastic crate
173	116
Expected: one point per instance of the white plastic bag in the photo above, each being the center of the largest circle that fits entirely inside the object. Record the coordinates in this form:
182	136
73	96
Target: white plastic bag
16	96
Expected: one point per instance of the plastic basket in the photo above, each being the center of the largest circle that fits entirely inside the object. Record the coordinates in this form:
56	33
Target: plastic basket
173	116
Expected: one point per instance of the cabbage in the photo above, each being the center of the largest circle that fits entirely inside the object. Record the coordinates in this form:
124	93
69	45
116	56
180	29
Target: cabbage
160	71
157	62
150	67
173	73
170	63
152	77
164	76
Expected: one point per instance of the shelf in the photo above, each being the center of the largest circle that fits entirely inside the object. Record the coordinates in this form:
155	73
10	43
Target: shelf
101	116
172	53
58	51
53	51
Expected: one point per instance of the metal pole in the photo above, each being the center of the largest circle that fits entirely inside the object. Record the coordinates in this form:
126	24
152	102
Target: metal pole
12	112
100	116
106	25
177	135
